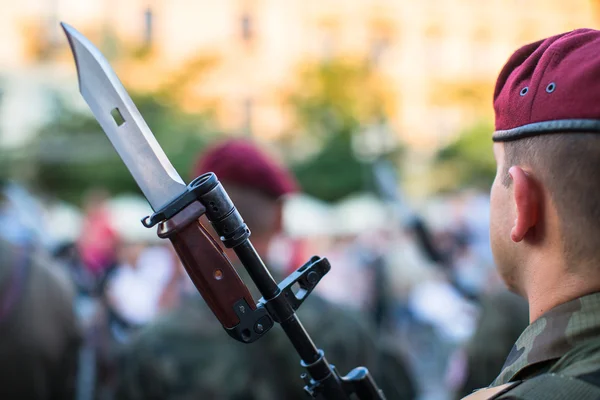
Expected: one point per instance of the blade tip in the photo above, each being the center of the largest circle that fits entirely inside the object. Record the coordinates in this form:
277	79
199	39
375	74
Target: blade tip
68	29
70	32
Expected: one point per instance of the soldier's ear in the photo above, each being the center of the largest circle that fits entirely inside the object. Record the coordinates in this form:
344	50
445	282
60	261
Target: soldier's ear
527	202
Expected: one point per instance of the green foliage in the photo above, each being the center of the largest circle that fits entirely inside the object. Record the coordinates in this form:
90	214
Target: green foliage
335	100
334	172
469	161
73	154
338	96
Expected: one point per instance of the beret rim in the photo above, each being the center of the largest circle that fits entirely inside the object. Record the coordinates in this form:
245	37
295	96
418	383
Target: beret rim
539	128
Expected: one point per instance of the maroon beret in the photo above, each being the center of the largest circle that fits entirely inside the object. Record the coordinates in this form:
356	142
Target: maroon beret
240	162
552	85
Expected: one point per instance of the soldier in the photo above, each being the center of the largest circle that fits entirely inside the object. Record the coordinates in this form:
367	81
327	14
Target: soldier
187	354
39	333
504	315
545	214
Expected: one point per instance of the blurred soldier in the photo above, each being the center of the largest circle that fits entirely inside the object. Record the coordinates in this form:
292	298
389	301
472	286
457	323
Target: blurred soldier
98	242
187	354
504	315
39	336
545	214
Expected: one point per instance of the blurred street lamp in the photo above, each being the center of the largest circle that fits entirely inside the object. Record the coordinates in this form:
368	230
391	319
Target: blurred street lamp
55	38
148	27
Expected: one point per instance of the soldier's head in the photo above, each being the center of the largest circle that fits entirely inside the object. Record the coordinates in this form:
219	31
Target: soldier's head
545	214
255	182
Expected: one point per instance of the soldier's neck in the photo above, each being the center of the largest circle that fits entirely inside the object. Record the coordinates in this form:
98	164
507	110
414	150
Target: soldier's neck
551	284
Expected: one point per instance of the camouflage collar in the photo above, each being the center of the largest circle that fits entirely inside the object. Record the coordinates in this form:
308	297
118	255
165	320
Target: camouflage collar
552	335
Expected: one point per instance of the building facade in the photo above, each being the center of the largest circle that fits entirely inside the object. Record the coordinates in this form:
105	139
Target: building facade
440	57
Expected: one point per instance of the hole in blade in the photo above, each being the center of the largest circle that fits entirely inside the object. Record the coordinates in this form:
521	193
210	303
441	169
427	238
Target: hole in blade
117	116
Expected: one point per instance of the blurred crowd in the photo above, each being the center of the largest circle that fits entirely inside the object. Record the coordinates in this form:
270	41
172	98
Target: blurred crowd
420	280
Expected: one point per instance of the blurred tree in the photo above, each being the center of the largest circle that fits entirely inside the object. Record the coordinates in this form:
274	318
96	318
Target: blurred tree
73	154
339	96
334	172
467	162
471	95
336	100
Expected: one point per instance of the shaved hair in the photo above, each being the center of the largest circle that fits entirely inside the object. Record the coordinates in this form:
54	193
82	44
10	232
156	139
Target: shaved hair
568	166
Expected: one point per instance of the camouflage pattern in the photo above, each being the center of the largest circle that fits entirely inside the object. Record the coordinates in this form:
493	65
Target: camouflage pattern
187	355
564	341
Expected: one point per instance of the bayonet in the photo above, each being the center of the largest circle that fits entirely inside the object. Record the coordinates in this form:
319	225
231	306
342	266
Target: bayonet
161	184
177	208
123	124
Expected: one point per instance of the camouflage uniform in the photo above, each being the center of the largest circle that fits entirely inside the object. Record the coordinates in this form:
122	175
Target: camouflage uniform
563	341
39	334
187	355
556	357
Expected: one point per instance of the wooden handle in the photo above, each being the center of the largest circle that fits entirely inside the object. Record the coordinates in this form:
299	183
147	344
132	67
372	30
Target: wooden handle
206	264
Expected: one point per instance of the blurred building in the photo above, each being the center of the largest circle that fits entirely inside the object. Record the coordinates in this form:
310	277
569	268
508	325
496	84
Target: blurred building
441	57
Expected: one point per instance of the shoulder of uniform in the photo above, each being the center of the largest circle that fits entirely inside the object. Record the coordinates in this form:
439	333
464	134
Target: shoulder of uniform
48	280
491	392
550	386
189	322
54	274
582	359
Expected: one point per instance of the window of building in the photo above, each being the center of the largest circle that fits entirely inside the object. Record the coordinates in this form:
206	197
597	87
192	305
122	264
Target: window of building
328	35
482	34
434	31
148	27
248	106
381	41
247	26
482	54
434	46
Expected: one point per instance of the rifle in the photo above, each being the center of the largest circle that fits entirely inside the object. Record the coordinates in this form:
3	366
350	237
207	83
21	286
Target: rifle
177	208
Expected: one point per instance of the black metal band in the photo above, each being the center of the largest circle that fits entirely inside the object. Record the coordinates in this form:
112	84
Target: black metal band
197	188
